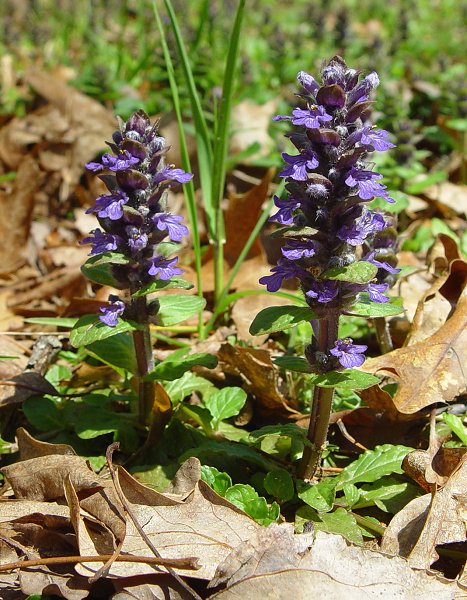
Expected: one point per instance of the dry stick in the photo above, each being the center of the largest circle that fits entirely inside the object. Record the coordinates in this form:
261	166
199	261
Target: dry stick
127	507
322	404
181	563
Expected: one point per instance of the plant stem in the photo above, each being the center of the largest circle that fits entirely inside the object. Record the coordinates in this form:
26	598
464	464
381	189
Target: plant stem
326	330
144	357
382	335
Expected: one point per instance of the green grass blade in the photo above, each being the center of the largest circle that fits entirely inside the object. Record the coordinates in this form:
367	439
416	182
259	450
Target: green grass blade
220	304
221	144
203	140
188	188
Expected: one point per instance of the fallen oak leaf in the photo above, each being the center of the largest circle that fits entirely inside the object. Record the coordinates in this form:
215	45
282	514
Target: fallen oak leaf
430	371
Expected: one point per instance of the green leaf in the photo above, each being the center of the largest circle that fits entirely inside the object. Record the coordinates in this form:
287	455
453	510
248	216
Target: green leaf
198	414
187	384
247	499
116	351
159	284
219	481
293	363
228	451
92	422
456	426
358	272
389	494
66	323
279	484
320	496
99	268
279	318
175	308
350	379
374	464
90	329
422	184
225	403
43	413
352	494
168	369
339	522
365	307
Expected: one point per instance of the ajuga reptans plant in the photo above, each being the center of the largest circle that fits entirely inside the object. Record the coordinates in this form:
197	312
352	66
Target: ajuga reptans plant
137	229
329	229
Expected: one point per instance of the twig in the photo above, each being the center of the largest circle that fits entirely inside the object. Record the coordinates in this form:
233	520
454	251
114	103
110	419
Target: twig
131	514
346	434
181	563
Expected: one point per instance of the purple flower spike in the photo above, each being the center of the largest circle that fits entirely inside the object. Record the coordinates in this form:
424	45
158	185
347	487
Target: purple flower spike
350	355
285	215
285	269
169	173
171	224
311	118
111	313
164	267
110	206
298	165
375	291
323	291
367	186
102	242
356	232
296	249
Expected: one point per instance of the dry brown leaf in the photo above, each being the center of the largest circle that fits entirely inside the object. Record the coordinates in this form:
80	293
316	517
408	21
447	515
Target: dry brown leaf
430	371
250	207
61	581
186	478
29	447
24	386
16	208
149	587
449	194
206	526
250	124
333	569
428	521
42	478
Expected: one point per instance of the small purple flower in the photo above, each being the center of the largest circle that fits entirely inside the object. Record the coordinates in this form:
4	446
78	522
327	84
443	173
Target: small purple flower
368	187
375	291
110	205
137	239
308	82
285	269
164	267
297	249
286	207
312	118
356	232
378	138
381	265
361	91
118	162
112	312
102	242
169	173
323	291
350	355
171	224
298	165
